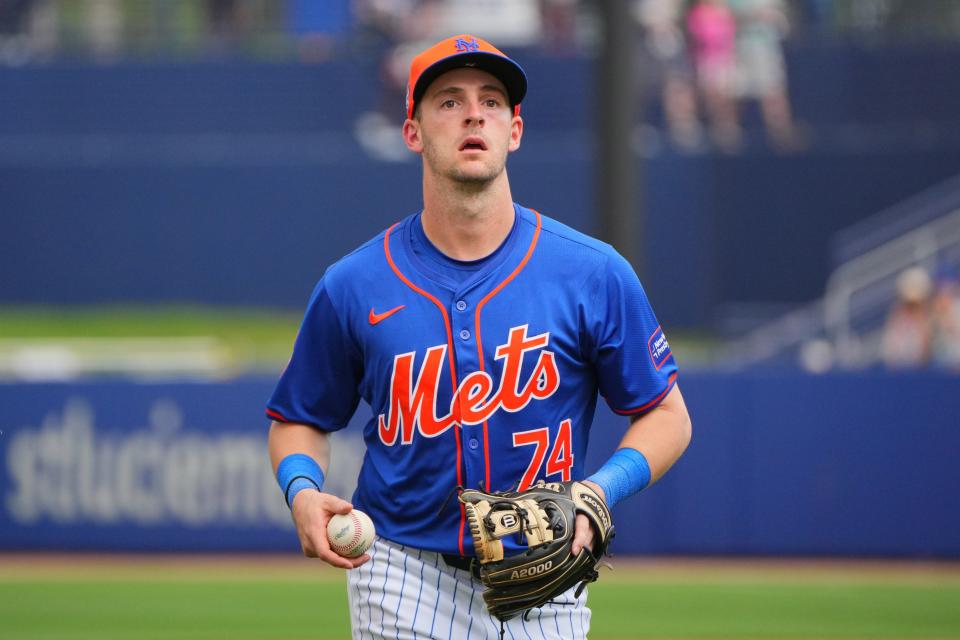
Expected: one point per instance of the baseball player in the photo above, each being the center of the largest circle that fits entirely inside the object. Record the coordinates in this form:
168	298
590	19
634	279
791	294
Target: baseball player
480	333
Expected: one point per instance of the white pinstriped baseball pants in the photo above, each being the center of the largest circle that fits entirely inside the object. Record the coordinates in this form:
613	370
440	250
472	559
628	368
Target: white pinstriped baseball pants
410	594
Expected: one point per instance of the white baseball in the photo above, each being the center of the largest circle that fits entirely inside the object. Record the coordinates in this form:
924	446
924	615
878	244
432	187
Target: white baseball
352	534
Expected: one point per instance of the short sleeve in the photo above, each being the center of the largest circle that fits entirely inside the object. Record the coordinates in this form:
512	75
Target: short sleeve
635	367
319	386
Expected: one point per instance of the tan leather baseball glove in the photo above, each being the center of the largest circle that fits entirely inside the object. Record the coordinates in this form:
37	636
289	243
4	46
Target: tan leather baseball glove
541	519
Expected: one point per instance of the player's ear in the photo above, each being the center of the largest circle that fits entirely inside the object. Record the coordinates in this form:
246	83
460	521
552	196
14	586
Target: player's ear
516	132
411	135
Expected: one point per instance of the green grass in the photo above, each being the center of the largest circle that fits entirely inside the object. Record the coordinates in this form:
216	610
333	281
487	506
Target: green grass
252	339
819	610
161	320
168	610
180	602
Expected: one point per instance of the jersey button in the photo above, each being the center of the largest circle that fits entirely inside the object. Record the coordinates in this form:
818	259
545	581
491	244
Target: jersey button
474	443
464	334
461	305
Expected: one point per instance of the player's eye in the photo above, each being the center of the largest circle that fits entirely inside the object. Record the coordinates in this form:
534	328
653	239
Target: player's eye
491	103
448	104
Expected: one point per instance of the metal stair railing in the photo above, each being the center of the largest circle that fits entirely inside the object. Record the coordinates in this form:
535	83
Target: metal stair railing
894	221
864	284
861	288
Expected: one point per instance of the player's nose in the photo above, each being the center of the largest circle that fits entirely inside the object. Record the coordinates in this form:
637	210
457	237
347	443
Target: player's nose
474	114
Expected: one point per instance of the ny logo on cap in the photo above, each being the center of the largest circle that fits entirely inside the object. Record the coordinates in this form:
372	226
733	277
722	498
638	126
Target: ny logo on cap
467	45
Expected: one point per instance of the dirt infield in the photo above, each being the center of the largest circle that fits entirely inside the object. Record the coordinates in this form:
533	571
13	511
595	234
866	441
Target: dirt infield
160	566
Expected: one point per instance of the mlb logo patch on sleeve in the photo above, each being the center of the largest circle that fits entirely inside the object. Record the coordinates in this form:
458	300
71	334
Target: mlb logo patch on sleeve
659	348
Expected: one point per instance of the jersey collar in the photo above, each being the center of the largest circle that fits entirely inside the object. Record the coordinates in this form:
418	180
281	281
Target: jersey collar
511	251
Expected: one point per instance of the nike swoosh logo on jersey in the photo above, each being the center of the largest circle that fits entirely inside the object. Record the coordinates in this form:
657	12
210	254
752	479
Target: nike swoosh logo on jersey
376	318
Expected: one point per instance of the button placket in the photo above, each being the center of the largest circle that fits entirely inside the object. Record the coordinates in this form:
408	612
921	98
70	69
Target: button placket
467	359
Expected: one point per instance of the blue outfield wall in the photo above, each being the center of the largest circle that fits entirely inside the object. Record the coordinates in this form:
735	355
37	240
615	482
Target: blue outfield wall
244	181
780	464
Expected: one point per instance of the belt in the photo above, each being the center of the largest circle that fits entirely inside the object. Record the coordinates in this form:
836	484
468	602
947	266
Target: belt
466	563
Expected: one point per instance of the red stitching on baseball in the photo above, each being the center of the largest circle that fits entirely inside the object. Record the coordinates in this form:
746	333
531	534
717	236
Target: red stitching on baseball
356	528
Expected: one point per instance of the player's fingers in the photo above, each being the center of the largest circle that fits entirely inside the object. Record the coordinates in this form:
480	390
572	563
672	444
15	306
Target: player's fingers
339	505
582	535
359	560
323	551
335	560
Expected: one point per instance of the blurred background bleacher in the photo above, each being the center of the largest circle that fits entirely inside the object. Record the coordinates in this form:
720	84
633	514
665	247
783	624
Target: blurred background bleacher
175	175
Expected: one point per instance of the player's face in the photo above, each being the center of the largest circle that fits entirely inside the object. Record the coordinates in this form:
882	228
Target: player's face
466	127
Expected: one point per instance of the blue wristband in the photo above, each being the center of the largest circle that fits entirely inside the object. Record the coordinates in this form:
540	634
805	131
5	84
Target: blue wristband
626	472
297	472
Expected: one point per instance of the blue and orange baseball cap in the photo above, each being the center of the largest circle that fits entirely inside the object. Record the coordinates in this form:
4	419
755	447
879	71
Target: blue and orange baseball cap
464	51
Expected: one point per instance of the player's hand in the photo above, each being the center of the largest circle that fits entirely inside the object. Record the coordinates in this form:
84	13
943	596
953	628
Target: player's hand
582	531
312	511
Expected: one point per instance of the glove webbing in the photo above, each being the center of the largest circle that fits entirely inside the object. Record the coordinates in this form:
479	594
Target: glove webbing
525	525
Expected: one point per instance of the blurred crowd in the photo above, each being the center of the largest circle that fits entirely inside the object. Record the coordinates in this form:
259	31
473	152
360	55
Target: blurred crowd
41	30
312	30
922	328
712	55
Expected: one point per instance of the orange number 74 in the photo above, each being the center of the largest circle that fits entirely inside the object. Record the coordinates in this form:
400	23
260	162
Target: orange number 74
561	455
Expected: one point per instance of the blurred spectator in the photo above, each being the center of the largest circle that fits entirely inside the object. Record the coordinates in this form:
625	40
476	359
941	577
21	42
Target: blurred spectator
668	66
319	26
761	71
819	13
509	23
44	29
945	348
105	27
559	19
225	24
14	43
713	33
384	23
398	27
907	334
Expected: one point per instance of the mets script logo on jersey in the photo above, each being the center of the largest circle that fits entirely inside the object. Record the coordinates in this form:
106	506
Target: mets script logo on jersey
465	46
413	406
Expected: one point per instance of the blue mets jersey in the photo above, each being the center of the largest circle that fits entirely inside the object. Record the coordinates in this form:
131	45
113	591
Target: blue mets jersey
488	379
